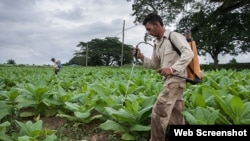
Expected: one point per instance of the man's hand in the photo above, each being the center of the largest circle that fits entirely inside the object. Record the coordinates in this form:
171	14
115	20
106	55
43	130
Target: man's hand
137	53
165	71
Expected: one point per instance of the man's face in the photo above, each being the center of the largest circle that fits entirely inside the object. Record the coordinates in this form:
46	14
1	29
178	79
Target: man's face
151	29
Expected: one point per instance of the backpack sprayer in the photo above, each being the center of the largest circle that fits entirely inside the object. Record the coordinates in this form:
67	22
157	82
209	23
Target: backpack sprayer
134	62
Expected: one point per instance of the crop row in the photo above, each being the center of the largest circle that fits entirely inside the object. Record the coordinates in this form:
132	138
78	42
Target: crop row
121	100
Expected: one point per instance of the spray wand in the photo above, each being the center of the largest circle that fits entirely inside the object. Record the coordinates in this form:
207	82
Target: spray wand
135	60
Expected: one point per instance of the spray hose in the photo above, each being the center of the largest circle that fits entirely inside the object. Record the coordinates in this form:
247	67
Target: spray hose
144	43
137	46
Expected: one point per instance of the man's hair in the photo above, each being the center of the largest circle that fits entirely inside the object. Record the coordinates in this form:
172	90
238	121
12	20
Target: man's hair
52	59
153	17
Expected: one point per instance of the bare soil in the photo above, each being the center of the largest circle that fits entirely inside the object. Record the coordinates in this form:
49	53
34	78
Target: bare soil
67	131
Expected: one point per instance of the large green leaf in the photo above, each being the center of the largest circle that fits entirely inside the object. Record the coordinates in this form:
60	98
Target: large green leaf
201	116
82	115
132	108
114	126
29	128
144	113
3	135
72	106
223	106
121	115
191	119
224	81
237	108
222	119
243	91
246	111
148	101
208	94
128	137
139	127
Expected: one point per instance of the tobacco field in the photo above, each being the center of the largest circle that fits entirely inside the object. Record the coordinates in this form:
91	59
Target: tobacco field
108	103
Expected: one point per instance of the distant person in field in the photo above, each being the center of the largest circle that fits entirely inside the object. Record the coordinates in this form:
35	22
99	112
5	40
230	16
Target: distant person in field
57	65
169	105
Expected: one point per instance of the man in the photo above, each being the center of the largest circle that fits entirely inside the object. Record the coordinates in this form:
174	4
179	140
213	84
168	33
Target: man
169	104
55	65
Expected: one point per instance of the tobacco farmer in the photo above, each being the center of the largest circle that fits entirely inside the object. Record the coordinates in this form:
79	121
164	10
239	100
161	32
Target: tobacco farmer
169	104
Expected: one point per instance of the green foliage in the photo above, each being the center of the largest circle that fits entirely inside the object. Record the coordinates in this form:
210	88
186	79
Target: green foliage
103	52
34	132
38	99
8	103
233	61
235	109
11	61
201	116
237	66
226	92
113	100
167	9
3	135
218	27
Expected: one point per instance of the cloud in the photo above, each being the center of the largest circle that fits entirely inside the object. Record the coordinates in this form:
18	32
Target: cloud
34	31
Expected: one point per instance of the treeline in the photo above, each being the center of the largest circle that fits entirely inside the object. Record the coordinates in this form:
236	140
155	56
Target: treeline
205	67
232	66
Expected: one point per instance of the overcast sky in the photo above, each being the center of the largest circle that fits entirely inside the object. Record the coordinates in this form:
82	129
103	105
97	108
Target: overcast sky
34	31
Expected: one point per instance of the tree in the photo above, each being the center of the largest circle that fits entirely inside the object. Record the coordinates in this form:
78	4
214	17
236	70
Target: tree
167	9
229	5
218	26
217	30
233	61
77	60
80	57
104	52
11	61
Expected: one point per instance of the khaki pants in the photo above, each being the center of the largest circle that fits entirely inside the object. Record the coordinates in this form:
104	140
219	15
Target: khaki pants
167	110
56	70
